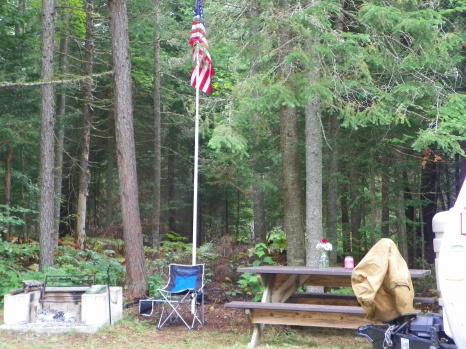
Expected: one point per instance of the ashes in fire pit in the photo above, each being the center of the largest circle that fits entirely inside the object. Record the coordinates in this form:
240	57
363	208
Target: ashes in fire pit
63	309
55	316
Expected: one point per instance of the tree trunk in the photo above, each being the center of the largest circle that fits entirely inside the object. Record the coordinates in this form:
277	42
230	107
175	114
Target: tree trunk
24	233
132	231
402	219
293	199
345	219
332	200
313	179
110	157
374	218
289	140
260	227
155	234
60	126
5	235
385	203
428	194
46	205
410	214
355	211
260	230
171	179
88	115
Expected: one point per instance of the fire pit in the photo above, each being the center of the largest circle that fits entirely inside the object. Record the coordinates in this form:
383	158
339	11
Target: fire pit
57	309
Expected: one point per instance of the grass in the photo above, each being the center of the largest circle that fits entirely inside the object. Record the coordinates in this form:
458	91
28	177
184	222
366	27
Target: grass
136	333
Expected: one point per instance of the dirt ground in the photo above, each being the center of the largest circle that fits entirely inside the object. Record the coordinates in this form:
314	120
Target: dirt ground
224	328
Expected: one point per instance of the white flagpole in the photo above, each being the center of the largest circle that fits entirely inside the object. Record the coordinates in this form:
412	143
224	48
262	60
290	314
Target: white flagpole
196	157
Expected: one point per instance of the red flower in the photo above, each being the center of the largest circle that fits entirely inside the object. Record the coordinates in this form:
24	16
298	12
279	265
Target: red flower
324	241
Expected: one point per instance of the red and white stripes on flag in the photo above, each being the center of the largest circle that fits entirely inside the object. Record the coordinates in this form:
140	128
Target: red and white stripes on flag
201	56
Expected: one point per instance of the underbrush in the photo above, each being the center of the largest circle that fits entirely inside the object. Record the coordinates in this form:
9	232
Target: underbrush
105	259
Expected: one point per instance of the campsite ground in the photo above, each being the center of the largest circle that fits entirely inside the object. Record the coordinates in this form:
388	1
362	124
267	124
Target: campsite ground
224	329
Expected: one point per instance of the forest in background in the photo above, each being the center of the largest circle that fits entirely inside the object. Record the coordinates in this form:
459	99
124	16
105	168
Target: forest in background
370	94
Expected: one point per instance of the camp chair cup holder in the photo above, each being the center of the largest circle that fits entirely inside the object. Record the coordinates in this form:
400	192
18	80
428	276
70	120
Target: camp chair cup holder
183	296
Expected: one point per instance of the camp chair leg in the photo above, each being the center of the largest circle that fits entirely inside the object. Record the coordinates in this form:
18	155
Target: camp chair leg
176	306
183	296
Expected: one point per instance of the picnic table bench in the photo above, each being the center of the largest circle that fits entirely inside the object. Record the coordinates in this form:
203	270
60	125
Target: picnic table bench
282	305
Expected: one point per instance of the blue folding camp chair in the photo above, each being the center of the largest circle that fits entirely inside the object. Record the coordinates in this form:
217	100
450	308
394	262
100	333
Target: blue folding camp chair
183	296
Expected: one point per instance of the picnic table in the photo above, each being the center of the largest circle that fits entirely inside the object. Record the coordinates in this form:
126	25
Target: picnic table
282	304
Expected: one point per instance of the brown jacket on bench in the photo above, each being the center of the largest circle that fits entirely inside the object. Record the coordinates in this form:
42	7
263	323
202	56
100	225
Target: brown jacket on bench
382	283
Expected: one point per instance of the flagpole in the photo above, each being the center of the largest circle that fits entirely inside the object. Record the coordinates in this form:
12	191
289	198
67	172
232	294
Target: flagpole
196	157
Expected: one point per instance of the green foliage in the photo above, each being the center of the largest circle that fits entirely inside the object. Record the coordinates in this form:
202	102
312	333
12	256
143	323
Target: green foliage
75	18
342	290
19	262
12	217
446	131
426	287
6	218
175	237
106	246
14	261
72	261
224	136
276	239
250	283
155	282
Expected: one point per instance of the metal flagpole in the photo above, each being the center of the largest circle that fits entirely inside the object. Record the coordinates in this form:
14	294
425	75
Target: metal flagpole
196	157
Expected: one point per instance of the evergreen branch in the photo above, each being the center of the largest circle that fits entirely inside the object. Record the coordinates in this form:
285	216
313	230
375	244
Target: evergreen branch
55	82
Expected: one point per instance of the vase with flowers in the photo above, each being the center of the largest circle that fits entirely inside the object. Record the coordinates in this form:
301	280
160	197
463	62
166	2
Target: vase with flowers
324	247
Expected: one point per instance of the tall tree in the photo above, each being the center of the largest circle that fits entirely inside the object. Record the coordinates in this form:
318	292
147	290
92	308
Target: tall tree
313	131
314	226
155	235
60	124
124	129
88	116
5	234
109	171
289	140
333	189
292	186
46	206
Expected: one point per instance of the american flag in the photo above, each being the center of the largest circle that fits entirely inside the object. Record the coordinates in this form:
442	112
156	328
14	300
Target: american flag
201	56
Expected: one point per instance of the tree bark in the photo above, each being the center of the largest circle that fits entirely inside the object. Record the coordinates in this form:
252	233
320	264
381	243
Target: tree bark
332	199
124	129
46	205
260	230
5	235
292	187
294	211
355	211
428	194
155	234
172	138
385	203
60	126
314	226
401	215
345	218
88	116
109	181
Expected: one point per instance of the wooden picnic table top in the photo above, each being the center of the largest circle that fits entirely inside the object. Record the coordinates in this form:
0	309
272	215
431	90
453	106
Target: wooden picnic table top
303	270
